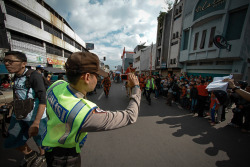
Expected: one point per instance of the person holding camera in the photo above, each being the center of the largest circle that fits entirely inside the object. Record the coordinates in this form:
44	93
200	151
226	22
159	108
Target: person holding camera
28	118
242	105
72	116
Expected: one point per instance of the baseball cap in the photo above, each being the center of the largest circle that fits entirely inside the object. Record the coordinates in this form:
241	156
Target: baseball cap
84	62
39	66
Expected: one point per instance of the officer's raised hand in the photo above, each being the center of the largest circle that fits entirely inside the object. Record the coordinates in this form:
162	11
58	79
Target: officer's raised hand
132	80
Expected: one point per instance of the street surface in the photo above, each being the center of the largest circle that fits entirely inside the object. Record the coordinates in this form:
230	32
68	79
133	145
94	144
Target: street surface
162	136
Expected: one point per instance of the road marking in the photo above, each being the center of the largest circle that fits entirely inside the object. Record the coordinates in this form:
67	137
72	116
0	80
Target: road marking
100	96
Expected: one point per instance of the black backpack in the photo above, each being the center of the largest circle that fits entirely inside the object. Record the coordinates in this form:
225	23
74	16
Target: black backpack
221	96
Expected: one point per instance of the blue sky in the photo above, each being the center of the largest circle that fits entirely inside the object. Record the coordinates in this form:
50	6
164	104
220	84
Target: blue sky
112	24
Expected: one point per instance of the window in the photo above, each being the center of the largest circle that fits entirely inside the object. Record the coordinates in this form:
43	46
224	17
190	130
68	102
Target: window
25	38
203	39
177	34
52	30
185	39
224	63
176	12
67	39
235	24
23	15
191	64
173	35
180	9
174	61
206	63
67	53
52	49
211	38
196	40
78	46
171	61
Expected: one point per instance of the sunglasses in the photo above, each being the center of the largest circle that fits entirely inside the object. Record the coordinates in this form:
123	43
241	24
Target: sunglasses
10	61
95	74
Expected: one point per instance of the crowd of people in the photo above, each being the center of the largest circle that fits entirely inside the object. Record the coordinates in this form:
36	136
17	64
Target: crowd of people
61	131
190	93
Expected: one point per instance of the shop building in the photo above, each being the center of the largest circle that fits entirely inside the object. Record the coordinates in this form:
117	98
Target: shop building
33	27
216	38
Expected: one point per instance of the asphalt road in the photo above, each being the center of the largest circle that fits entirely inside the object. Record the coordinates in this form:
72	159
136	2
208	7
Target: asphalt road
162	136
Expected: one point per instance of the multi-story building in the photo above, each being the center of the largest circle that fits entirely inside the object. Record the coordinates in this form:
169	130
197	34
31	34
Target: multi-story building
144	60
127	57
173	65
33	27
229	22
162	41
137	57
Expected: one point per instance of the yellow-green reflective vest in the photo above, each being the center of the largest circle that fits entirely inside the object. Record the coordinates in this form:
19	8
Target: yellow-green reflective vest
66	115
148	84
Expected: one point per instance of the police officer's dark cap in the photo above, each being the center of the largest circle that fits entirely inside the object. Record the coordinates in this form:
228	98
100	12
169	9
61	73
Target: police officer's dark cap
84	62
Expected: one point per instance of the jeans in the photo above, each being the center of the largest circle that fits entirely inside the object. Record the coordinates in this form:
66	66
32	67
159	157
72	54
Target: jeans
193	106
156	93
213	115
148	92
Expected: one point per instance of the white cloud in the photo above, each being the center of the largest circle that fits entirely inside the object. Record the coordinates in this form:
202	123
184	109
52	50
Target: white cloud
111	24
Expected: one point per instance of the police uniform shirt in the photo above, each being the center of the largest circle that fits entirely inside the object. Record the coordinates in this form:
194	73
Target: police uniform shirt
100	120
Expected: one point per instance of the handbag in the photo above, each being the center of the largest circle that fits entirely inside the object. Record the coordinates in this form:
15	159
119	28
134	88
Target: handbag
22	108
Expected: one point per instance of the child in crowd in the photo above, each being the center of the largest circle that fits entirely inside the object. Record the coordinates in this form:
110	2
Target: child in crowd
214	105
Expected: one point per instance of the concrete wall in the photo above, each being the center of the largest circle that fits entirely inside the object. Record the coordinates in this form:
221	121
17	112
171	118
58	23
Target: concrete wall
42	12
240	48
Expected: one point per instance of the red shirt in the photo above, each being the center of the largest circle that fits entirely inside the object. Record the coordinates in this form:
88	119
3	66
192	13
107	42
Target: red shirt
6	85
202	91
214	101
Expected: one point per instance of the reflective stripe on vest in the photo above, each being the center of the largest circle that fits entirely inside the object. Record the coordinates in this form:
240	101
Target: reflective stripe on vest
66	116
69	123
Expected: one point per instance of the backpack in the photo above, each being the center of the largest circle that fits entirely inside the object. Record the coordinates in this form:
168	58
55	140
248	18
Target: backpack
221	96
27	82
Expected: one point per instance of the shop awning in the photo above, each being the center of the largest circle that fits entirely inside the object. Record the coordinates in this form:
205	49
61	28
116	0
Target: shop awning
53	70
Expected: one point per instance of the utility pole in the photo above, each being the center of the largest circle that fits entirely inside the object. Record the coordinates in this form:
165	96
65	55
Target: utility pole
151	58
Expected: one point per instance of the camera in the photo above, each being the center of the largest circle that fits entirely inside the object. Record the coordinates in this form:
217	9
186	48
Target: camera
236	110
124	77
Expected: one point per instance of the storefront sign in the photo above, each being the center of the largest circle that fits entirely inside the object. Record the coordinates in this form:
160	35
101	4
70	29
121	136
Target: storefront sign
55	61
221	42
205	7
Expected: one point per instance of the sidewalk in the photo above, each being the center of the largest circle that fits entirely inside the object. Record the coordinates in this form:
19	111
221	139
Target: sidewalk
7	96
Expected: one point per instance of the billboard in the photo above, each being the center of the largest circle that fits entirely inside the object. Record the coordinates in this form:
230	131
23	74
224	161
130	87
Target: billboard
89	46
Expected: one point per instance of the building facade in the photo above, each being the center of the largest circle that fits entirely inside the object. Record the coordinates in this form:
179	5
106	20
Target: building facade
229	22
173	64
162	41
33	27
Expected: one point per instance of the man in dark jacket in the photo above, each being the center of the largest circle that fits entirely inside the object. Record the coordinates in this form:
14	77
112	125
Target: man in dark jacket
193	97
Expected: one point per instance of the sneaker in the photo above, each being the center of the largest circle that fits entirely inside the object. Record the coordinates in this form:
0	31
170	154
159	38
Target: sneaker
29	159
212	123
40	161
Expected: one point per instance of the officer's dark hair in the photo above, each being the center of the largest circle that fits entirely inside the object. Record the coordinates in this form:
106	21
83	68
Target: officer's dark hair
73	76
19	55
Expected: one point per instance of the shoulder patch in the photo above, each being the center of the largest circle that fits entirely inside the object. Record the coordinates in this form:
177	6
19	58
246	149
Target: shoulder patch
98	110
